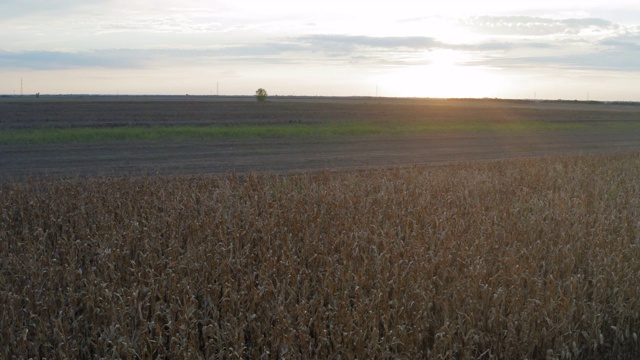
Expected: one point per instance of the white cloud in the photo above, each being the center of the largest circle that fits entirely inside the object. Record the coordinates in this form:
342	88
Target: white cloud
365	37
536	26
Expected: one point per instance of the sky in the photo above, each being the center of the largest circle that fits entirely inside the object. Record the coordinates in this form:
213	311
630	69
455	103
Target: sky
543	49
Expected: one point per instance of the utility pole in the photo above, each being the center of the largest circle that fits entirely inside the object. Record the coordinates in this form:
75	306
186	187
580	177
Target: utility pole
21	89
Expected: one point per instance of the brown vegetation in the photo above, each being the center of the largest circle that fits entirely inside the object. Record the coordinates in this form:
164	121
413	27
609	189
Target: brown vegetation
528	258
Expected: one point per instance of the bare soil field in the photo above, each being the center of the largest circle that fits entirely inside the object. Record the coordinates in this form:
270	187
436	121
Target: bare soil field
602	127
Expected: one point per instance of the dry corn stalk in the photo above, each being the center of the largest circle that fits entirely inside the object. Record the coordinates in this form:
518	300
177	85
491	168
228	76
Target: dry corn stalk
529	258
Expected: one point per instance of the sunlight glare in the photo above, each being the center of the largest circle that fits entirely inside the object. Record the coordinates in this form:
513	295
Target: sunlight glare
441	73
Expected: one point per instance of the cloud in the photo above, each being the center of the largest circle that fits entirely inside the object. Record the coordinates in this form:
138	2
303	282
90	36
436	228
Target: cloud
55	60
513	41
20	8
139	58
603	61
355	46
536	26
618	50
414	42
68	23
619	59
624	43
504	46
358	46
533	42
301	50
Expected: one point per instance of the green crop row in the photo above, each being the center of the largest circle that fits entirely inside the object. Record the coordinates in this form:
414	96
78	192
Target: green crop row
180	133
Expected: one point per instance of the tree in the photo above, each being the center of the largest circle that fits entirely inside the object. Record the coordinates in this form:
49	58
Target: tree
261	94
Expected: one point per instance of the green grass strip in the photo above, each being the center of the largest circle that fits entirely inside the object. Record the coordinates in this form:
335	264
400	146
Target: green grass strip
178	133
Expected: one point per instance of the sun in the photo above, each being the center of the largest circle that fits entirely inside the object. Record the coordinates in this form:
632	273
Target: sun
441	73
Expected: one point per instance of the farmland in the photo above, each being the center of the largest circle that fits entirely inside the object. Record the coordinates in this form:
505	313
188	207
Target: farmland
524	258
523	241
89	136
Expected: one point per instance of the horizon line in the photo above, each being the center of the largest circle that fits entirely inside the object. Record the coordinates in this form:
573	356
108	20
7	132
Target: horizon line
37	95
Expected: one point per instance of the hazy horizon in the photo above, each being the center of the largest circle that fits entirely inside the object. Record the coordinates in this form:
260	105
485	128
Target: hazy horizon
570	50
291	96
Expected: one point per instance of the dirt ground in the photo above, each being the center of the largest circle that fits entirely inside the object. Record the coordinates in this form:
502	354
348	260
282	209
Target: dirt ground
112	111
19	162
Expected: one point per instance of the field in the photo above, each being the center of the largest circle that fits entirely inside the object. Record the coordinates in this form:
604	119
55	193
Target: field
325	242
525	258
88	136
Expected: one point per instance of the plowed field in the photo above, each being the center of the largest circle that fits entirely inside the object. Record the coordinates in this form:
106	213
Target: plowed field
421	131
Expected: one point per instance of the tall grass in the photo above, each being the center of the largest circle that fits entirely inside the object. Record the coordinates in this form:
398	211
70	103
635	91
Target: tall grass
529	258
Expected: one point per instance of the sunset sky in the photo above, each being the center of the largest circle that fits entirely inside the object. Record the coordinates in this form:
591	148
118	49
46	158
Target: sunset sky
539	49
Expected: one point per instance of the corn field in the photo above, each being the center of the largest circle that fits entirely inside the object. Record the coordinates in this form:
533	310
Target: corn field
527	258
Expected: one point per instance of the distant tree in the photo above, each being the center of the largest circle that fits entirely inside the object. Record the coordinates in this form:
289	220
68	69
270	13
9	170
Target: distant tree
261	94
